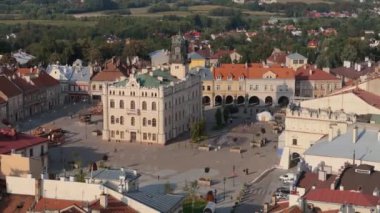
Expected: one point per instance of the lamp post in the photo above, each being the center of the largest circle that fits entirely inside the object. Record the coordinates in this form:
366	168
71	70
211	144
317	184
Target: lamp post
224	188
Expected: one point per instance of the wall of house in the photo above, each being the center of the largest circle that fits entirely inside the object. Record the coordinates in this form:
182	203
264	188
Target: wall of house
16	165
314	88
67	190
295	64
371	86
160	59
339	102
197	63
20	185
324	206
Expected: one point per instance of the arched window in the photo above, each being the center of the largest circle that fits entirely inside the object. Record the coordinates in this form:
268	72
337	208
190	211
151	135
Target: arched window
132	104
121	120
112	119
143	105
112	103
132	121
154	106
121	104
153	122
144	121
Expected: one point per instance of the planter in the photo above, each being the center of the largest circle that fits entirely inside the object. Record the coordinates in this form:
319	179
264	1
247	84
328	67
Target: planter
204	148
236	150
204	182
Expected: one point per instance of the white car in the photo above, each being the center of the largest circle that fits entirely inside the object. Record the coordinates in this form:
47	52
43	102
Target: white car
286	178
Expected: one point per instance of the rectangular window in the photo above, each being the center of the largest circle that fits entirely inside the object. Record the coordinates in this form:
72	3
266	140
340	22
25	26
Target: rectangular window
144	136
31	152
229	87
153	137
294	142
122	135
203	88
217	87
208	88
100	87
94	87
112	134
295	61
300	61
240	88
250	87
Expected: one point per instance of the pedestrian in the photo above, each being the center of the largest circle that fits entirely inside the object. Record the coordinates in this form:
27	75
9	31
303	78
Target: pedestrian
158	178
246	171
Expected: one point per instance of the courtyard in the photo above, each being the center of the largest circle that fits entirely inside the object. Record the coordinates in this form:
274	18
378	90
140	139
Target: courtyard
176	164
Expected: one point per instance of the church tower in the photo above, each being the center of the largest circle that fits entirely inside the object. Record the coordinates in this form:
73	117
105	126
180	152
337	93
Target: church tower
178	57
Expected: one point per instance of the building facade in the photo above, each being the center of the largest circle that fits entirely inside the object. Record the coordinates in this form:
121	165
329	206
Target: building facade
314	83
153	106
12	100
249	84
295	61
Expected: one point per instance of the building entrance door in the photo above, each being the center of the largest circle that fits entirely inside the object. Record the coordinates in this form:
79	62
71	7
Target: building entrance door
133	136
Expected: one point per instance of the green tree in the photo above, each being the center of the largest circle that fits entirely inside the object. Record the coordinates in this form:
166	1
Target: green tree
197	130
349	53
54	58
218	117
8	59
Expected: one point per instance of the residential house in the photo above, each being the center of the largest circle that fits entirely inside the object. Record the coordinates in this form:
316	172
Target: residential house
124	180
113	70
312	44
355	72
277	57
249	84
22	154
41	92
313	82
22	57
159	58
196	60
74	80
234	56
295	60
12	100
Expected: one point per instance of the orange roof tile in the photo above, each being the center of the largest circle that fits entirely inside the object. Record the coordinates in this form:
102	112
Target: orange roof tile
16	203
114	205
55	204
251	71
309	72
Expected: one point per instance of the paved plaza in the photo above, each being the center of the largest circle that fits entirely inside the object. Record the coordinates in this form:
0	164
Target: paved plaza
177	163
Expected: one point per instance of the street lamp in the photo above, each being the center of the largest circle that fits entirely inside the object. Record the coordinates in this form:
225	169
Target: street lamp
224	188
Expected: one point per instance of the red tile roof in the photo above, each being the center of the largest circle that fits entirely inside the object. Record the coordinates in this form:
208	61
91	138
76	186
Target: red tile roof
114	205
341	197
251	71
27	71
311	73
44	80
350	73
113	69
309	179
278	57
16	203
24	85
8	88
55	204
368	97
21	141
220	53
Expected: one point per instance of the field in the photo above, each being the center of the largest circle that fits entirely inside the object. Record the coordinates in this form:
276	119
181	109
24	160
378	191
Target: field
199	9
67	23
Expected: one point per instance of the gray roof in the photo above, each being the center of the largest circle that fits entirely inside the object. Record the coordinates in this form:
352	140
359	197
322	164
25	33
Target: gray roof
367	147
296	56
113	174
71	73
161	202
195	55
205	73
154	53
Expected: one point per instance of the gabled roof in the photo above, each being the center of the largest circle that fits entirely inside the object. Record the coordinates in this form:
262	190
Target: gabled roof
113	69
21	141
8	87
367	183
296	56
309	72
309	179
341	197
277	57
352	73
157	52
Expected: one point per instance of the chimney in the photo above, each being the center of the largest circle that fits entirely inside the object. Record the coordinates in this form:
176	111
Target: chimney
369	64
359	68
310	72
354	134
103	200
347	64
326	69
366	59
376	192
331	134
341	188
266	208
322	175
378	135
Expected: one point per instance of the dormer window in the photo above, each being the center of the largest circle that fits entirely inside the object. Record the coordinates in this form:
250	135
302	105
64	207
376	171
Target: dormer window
241	78
229	78
219	77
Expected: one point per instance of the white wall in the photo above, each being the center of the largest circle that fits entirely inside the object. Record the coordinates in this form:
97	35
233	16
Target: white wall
66	190
21	185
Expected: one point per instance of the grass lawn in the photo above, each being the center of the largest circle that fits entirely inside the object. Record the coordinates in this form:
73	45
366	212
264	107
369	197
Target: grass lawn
199	205
68	23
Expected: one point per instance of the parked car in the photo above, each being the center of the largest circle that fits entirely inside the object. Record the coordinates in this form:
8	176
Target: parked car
284	190
281	196
286	178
